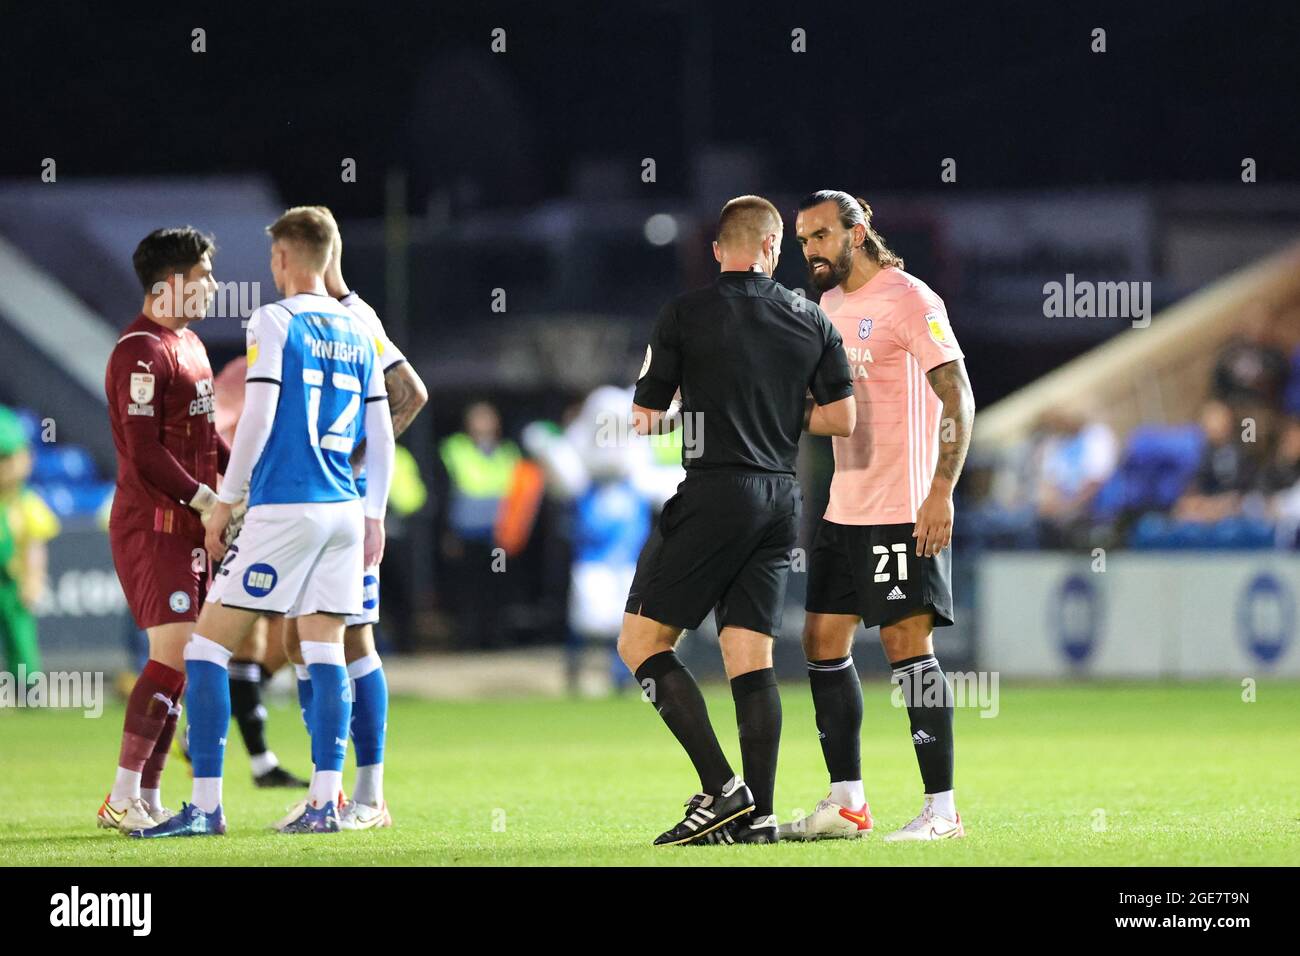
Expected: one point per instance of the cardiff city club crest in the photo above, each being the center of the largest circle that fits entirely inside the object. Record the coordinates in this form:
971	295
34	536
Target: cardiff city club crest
864	328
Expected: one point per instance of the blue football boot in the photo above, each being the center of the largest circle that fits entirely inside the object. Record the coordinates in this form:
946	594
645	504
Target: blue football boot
191	821
314	820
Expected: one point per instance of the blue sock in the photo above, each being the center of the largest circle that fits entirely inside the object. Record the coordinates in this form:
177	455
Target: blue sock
304	701
370	717
330	714
207	698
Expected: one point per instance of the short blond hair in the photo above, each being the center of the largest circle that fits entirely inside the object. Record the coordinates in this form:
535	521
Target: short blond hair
746	220
338	233
311	230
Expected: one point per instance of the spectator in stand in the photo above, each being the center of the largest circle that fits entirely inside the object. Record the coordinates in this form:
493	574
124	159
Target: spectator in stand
1280	484
1281	472
1229	470
1250	374
1076	456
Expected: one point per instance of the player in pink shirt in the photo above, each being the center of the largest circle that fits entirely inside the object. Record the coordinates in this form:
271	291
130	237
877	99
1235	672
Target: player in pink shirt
880	555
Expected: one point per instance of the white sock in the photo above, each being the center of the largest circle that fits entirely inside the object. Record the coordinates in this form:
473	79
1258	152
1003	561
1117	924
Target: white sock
152	798
370	785
263	762
944	804
325	787
126	786
848	793
207	793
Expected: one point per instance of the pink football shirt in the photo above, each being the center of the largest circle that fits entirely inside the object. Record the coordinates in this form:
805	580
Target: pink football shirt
895	329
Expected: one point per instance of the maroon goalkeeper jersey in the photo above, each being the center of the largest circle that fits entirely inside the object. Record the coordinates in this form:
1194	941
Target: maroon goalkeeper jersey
159	388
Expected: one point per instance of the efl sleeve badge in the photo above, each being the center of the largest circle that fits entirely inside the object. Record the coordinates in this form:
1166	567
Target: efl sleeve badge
938	326
142	388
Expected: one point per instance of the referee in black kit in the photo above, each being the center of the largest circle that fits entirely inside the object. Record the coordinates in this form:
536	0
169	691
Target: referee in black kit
745	354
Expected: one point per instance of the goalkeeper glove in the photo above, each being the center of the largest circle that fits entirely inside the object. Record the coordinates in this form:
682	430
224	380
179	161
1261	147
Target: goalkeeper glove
204	500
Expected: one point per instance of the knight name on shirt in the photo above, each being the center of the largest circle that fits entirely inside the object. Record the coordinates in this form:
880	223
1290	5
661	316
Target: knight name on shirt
335	349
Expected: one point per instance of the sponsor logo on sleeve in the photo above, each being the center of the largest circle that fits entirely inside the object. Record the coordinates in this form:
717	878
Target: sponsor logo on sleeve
645	366
252	349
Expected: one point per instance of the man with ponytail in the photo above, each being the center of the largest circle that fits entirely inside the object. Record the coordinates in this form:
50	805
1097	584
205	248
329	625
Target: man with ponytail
880	555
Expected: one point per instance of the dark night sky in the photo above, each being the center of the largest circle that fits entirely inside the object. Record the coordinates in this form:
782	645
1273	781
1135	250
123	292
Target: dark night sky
1185	91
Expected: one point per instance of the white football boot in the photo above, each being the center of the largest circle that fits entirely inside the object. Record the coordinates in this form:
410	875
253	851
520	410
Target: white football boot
928	825
125	815
362	816
295	811
298	809
830	821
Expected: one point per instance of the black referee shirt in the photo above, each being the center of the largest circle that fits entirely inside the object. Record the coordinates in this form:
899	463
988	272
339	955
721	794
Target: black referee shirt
745	352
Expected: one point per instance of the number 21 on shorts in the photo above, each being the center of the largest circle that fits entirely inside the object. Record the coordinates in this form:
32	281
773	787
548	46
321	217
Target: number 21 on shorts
899	549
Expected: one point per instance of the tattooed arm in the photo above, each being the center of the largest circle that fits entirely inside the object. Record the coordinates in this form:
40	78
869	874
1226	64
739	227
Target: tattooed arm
933	531
406	396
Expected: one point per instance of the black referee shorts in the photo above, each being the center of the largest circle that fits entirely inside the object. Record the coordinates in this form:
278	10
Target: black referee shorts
723	542
873	571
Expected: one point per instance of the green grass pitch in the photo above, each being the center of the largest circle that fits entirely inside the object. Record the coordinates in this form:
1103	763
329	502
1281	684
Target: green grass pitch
1084	774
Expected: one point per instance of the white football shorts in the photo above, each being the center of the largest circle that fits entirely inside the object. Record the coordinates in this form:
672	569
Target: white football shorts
369	599
296	559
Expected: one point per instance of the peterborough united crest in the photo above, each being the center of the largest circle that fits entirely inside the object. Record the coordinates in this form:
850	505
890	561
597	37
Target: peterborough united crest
864	328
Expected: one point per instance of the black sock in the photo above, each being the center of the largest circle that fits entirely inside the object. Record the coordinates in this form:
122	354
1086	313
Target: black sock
673	691
246	704
758	718
837	699
928	697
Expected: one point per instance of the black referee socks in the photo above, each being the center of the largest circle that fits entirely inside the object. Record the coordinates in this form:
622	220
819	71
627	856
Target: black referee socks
758	718
837	700
667	684
928	697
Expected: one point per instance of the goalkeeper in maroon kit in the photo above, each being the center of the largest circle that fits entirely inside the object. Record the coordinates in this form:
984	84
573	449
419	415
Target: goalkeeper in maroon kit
160	405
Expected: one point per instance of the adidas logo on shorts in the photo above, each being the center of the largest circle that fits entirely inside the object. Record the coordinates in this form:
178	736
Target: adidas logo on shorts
896	594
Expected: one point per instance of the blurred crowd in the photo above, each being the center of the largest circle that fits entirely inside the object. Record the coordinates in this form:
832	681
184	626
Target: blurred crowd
1231	479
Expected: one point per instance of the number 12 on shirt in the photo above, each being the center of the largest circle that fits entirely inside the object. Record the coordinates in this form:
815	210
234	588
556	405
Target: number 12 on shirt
336	437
